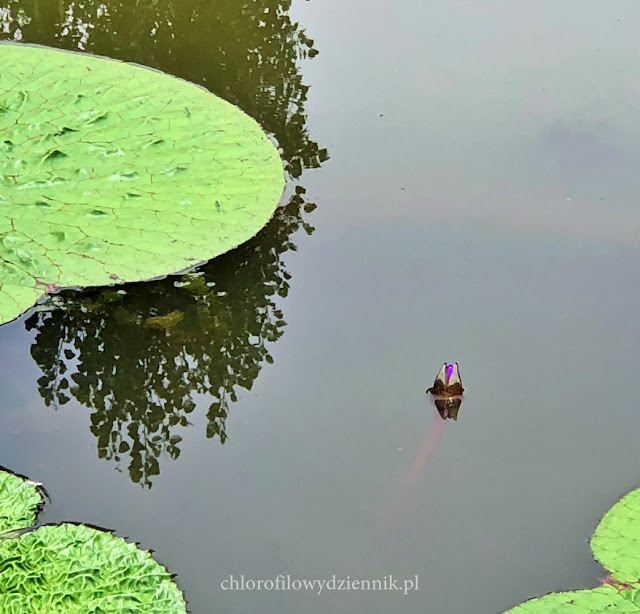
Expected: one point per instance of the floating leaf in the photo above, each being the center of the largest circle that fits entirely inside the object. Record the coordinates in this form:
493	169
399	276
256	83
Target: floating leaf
592	601
616	545
112	172
74	569
71	568
20	502
616	540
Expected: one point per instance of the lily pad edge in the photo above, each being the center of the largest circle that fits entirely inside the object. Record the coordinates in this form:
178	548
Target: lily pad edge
625	592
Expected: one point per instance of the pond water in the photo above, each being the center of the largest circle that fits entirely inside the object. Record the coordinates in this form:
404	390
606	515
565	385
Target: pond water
474	167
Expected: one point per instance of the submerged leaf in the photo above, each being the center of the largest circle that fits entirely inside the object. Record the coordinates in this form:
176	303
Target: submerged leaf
165	322
111	172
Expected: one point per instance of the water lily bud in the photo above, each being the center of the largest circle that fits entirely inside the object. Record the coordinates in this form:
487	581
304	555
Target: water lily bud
448	382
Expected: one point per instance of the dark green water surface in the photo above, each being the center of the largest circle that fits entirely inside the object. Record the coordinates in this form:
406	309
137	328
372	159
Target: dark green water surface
475	171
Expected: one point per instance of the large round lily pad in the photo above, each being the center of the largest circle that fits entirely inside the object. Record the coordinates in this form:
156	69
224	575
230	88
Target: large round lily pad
68	568
112	172
73	569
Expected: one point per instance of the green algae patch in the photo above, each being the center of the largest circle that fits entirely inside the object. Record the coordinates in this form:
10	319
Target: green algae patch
72	568
616	545
112	172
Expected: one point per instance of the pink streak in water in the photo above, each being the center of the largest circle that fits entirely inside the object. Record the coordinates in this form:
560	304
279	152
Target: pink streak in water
427	450
400	493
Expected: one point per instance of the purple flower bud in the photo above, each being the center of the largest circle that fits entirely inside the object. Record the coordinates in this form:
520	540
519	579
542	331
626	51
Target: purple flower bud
448	382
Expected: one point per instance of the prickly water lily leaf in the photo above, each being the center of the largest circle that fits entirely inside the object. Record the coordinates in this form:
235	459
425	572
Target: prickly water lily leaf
111	172
592	601
71	568
616	540
20	502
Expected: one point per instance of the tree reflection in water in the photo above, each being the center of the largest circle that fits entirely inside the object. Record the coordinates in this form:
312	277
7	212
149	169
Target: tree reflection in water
137	355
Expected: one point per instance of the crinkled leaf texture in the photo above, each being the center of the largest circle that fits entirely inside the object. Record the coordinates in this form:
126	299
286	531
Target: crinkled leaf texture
616	545
112	172
20	502
75	569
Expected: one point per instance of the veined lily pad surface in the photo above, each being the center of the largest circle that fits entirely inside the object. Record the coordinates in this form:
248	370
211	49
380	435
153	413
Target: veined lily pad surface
616	540
616	545
70	568
112	172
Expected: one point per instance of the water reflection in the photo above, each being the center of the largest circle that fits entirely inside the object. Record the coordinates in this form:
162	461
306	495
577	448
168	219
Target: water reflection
448	407
447	391
137	356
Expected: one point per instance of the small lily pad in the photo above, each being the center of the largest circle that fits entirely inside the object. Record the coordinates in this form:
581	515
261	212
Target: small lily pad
616	540
112	172
616	545
590	601
20	502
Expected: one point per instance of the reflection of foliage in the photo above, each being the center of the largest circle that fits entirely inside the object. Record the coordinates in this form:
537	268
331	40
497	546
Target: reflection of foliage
137	357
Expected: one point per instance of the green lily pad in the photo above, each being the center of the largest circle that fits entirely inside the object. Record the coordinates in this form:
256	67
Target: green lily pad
112	172
616	545
72	568
616	540
592	601
20	502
